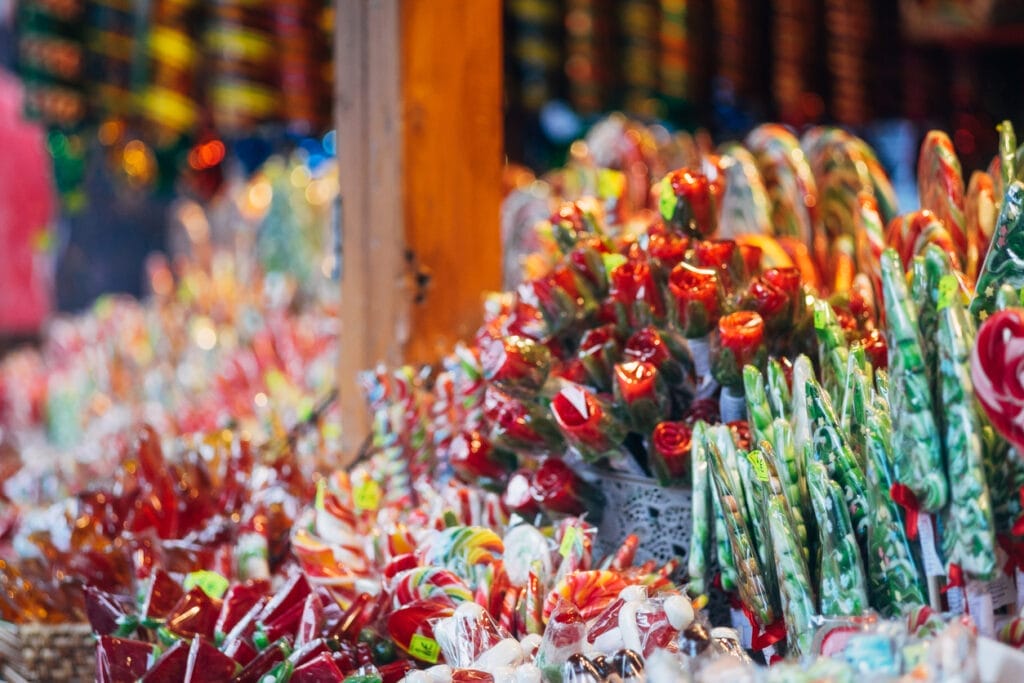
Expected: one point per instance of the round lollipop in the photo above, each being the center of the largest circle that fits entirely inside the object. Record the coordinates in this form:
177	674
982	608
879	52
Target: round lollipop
997	363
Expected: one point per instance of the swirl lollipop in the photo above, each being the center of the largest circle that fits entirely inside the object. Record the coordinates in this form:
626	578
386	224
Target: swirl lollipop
997	362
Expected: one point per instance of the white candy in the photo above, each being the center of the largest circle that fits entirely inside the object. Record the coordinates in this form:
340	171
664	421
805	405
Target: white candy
469	610
506	653
628	627
529	673
530	643
503	674
679	612
633	593
609	641
440	673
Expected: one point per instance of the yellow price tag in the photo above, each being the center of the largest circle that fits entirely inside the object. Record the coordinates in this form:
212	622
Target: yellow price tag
424	648
947	290
759	464
212	583
321	492
368	495
610	183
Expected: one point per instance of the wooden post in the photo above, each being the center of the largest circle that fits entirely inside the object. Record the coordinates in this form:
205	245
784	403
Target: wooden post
419	120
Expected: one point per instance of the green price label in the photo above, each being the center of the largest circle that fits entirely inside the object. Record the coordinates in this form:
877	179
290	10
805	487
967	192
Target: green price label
947	290
424	648
667	200
612	261
759	464
820	318
568	541
212	583
368	495
1020	295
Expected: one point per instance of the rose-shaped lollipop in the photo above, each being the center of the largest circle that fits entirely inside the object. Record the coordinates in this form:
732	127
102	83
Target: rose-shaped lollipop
741	339
556	488
997	370
587	422
670	452
475	459
640	390
636	294
689	201
516	365
698	299
724	257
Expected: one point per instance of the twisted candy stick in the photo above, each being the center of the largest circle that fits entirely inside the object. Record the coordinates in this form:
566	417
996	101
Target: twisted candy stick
842	587
940	185
745	202
894	579
790	476
831	448
980	209
698	560
870	237
916	447
803	372
788	180
751	579
793	578
1004	262
968	537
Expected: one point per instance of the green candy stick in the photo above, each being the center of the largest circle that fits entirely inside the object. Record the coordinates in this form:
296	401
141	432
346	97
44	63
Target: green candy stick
751	578
759	411
842	586
786	463
831	448
1004	262
968	537
803	372
778	389
894	579
699	561
792	576
916	446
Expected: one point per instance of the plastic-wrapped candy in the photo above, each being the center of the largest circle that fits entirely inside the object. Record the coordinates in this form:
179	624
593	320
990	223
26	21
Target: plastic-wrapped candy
587	422
917	451
516	365
564	636
741	340
636	298
688	201
471	639
700	555
669	452
640	390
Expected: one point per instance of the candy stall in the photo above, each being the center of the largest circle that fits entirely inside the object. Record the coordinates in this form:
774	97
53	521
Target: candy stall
705	408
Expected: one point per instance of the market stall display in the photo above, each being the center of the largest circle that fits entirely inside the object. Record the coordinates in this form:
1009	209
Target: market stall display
818	380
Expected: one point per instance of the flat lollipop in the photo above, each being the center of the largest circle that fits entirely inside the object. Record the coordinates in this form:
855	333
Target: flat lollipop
745	205
996	364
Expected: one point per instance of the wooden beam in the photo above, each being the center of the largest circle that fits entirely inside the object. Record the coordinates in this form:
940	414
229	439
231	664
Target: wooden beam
419	120
453	156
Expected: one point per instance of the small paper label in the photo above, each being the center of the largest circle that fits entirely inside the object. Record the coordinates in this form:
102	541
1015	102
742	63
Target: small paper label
368	495
982	611
568	541
424	648
212	583
947	290
932	561
955	597
820	318
742	626
759	464
1000	589
1019	576
667	200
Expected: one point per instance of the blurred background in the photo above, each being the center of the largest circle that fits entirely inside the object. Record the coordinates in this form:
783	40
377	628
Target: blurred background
133	127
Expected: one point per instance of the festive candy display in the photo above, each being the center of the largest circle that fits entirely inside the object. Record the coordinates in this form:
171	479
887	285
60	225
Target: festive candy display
833	399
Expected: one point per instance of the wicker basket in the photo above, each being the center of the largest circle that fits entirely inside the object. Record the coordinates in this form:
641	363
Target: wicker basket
660	516
44	652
